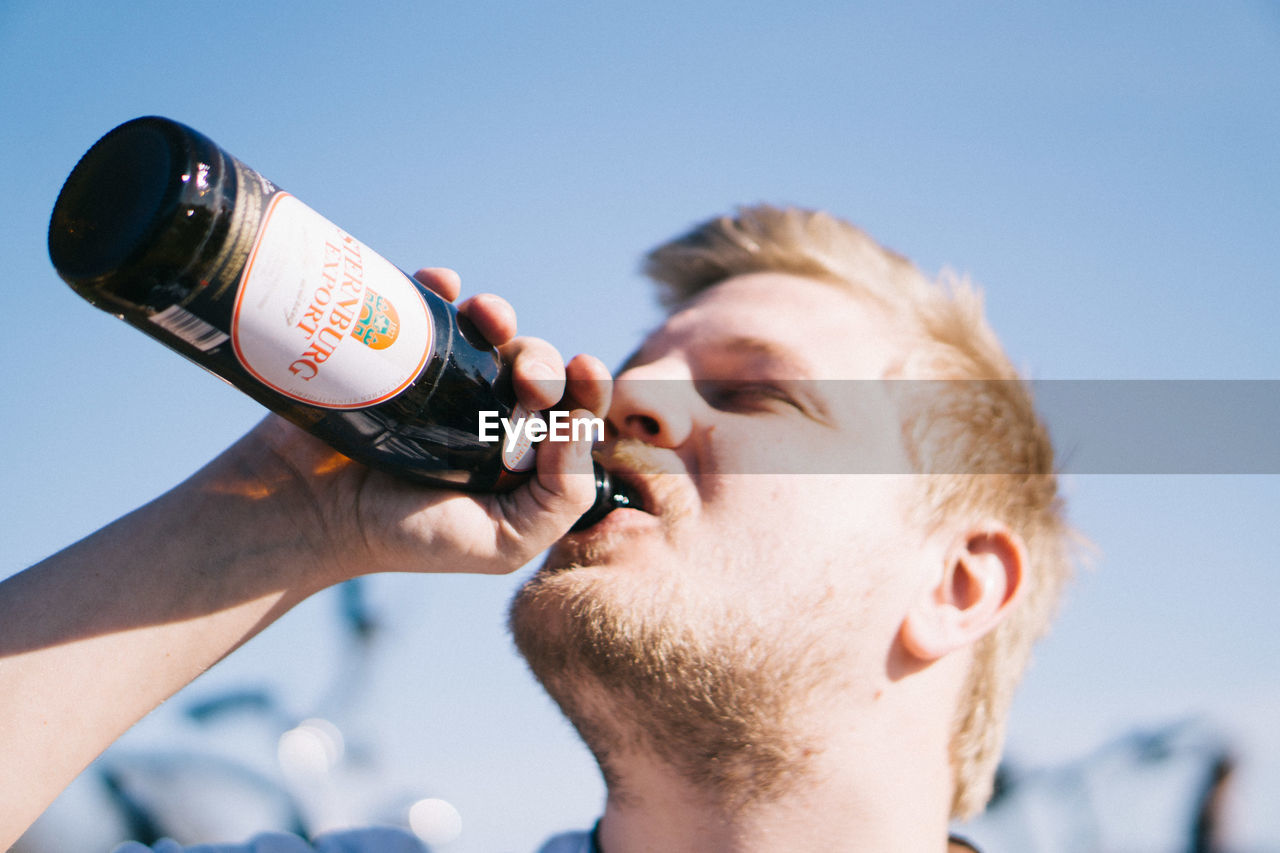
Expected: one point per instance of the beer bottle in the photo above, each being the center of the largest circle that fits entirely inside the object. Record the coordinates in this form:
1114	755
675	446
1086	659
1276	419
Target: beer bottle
162	228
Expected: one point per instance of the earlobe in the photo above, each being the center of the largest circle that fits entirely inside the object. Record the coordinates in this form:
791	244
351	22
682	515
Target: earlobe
979	583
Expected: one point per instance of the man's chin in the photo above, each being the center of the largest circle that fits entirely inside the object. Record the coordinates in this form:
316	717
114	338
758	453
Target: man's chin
619	653
574	598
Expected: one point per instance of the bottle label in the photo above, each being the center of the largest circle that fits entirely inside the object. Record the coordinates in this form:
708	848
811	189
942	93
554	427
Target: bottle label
321	318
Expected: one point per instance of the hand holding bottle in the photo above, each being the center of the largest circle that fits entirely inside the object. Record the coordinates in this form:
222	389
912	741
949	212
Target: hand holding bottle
363	520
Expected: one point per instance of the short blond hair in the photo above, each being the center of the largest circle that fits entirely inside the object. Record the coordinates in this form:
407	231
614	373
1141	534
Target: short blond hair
982	432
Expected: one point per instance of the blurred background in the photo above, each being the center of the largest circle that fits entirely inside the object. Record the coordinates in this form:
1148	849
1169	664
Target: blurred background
1107	172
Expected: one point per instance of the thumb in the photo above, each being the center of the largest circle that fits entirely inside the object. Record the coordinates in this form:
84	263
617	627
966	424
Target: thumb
563	488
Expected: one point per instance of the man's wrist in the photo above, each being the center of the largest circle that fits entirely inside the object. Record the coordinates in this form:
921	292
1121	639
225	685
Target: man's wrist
256	511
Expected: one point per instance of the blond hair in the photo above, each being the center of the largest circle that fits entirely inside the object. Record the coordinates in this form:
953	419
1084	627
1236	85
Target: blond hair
982	433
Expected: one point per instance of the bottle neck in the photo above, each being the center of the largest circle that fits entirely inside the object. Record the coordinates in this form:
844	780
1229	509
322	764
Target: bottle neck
610	495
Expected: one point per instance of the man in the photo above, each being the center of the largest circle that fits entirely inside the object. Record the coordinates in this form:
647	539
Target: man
760	657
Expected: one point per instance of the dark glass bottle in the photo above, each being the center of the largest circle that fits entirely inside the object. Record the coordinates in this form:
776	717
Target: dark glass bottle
162	228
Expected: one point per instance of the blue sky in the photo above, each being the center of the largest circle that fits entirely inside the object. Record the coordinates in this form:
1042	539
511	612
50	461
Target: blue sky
1107	172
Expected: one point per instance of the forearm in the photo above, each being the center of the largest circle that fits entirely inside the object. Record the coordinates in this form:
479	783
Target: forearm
96	636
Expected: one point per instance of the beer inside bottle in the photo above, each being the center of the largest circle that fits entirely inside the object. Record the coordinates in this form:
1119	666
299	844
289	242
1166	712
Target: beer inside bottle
161	227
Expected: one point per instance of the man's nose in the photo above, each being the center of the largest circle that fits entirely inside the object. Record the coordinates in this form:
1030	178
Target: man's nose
654	403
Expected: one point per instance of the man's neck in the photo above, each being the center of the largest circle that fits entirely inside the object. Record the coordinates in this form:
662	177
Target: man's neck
652	808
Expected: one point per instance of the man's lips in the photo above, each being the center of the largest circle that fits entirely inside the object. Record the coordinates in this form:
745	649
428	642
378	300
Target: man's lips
655	479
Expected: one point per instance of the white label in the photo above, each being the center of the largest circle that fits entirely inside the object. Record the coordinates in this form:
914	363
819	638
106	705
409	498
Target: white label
519	452
321	318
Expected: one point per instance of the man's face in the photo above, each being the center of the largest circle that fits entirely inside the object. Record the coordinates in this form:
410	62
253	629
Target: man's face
739	575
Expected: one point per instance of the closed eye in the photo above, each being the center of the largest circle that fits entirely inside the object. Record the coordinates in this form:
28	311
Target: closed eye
746	397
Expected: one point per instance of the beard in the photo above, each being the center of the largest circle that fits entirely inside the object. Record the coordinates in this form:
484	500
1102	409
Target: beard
649	663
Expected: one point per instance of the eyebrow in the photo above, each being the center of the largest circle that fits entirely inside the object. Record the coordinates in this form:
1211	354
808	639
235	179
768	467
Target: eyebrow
782	355
749	344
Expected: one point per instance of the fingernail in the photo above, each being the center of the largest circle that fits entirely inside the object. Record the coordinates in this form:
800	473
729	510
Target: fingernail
539	370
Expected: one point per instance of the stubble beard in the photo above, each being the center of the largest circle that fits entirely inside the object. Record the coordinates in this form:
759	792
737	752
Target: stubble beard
693	683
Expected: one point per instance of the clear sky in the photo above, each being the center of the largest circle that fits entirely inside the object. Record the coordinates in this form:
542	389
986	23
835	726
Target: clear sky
1107	172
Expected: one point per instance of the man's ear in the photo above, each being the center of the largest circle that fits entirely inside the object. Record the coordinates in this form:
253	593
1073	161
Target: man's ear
980	580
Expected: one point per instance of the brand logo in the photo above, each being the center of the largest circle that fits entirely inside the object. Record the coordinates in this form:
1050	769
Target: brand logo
379	323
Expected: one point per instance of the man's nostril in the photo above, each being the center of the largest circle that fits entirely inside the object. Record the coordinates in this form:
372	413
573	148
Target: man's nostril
648	425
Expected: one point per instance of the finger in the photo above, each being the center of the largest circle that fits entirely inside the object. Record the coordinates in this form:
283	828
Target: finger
564	470
537	372
542	510
590	385
441	281
492	315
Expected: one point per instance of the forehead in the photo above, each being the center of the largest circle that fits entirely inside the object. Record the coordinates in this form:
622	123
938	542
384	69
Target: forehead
825	330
